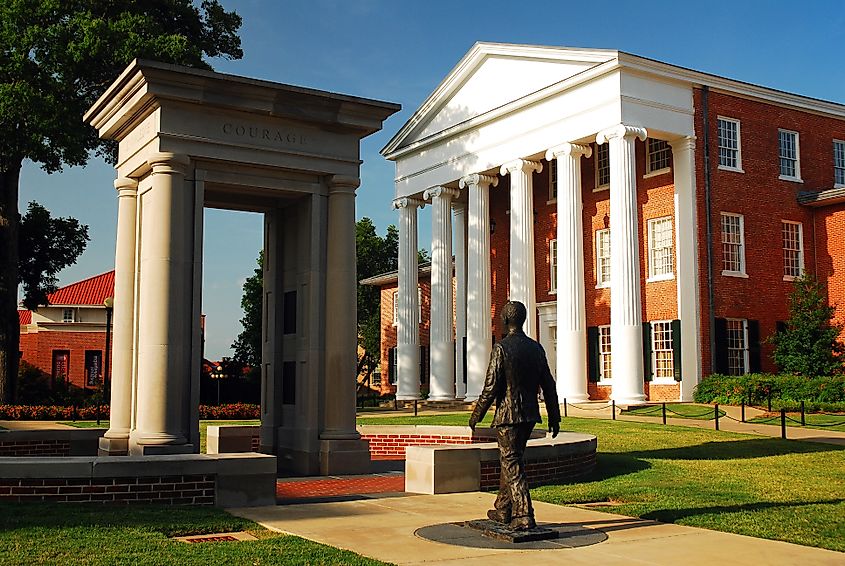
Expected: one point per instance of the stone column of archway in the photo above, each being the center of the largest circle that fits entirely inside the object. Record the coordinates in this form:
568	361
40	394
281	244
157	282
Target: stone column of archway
164	309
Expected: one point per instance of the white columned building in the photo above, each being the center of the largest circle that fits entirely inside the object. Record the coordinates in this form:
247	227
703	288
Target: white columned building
474	129
522	280
407	320
441	341
460	230
571	331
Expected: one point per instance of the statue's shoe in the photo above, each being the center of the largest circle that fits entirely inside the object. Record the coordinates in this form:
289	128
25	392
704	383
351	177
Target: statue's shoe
499	516
522	524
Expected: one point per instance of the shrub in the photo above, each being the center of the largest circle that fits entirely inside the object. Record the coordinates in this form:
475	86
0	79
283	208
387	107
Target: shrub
786	390
234	411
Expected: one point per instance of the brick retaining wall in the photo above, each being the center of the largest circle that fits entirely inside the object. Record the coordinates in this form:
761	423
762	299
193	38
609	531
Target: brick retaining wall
543	471
168	490
392	446
38	448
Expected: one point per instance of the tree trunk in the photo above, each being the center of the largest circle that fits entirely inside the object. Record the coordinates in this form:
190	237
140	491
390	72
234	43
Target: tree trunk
9	324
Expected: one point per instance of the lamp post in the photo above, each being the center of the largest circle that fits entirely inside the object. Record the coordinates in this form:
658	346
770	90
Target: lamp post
109	304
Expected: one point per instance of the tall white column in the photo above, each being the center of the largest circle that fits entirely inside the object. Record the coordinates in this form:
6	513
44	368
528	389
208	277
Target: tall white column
116	441
407	326
164	310
442	342
626	333
342	331
479	312
686	263
460	230
522	287
571	356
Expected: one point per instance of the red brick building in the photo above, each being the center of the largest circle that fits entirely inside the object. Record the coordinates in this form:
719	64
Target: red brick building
67	338
717	195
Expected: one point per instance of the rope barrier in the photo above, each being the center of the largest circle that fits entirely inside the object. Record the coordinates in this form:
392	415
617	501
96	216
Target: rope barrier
593	409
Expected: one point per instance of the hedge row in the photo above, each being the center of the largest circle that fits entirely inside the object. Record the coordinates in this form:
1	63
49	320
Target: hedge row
88	413
787	391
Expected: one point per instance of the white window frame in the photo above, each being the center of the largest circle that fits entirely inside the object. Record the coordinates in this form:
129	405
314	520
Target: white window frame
552	181
652	276
746	359
797	177
608	353
68	315
602	186
728	272
396	308
738	124
671	377
553	267
419	304
649	172
800	250
601	284
840	166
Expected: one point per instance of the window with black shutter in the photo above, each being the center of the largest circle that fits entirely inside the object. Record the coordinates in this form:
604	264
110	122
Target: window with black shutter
754	346
593	353
391	366
647	369
423	365
676	349
720	339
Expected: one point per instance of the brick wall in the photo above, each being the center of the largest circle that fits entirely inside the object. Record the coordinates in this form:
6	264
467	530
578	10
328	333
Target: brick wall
392	446
168	490
829	227
542	471
37	448
37	349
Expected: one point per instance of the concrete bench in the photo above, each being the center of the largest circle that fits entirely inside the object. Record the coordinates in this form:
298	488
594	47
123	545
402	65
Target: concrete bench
223	439
475	467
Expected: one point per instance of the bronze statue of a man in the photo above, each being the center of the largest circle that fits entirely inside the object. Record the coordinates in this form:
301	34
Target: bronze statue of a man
518	370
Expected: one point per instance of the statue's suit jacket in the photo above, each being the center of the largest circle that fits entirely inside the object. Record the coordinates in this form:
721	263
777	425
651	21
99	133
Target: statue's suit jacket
518	370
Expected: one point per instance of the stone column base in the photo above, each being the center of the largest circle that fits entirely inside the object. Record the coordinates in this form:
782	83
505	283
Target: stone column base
340	457
113	447
161	449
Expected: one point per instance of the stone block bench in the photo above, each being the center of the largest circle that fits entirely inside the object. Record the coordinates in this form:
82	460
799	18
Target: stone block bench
224	439
455	468
226	480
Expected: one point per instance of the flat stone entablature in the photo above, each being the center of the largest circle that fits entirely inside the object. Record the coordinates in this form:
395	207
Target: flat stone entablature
190	139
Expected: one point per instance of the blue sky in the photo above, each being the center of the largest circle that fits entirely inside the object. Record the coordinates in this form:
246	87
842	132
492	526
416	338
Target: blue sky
399	51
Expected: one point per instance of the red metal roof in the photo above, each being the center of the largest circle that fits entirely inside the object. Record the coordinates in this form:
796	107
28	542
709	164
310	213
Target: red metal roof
25	317
91	291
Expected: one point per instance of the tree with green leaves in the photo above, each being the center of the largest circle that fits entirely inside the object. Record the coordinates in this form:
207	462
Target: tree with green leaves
56	58
376	254
247	346
809	342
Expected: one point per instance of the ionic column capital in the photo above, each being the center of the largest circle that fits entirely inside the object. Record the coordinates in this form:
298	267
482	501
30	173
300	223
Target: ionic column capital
478	180
343	183
440	192
621	131
166	162
680	144
523	165
126	186
568	149
407	202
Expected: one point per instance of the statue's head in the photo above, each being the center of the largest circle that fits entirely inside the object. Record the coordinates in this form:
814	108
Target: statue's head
513	315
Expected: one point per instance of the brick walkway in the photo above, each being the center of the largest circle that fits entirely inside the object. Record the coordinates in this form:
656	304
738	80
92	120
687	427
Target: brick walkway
293	490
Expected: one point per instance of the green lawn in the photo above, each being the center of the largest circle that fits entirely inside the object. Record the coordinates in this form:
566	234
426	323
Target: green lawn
92	535
830	422
763	487
203	427
675	410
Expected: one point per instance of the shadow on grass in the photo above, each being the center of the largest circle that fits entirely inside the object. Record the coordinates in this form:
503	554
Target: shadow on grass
675	515
735	450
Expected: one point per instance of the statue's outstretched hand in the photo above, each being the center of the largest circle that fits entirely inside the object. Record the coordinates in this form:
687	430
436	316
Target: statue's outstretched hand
554	428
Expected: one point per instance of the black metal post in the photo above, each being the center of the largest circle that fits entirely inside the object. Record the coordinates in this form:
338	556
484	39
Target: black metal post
565	414
750	401
107	368
415	407
613	409
716	413
783	423
218	391
664	413
803	422
770	400
743	411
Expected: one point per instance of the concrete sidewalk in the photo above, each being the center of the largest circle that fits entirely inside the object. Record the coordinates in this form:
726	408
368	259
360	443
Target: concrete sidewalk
384	527
35	425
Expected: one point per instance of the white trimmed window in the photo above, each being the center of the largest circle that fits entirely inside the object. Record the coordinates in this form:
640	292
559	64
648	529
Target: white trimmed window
733	244
658	154
661	350
839	163
730	152
395	308
552	266
553	179
790	155
660	257
602	166
603	257
737	336
604	354
67	315
793	250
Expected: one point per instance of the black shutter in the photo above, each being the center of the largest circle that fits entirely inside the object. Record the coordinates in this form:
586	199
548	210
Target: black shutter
676	349
593	353
648	372
423	364
721	344
754	346
391	366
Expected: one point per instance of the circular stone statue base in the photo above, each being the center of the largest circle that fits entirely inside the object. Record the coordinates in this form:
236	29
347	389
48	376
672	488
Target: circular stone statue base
457	534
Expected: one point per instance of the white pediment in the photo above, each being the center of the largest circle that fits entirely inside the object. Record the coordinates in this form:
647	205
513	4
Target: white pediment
489	77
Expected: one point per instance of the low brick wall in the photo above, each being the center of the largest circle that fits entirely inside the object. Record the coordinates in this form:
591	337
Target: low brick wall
34	448
49	443
542	471
167	490
389	442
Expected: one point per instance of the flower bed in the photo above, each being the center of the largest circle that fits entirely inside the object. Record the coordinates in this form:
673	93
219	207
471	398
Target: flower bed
90	412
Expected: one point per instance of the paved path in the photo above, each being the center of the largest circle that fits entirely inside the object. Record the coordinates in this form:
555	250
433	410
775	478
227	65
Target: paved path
383	527
34	425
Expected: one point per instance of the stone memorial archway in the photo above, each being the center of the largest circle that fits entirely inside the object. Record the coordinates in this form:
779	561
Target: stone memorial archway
190	139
